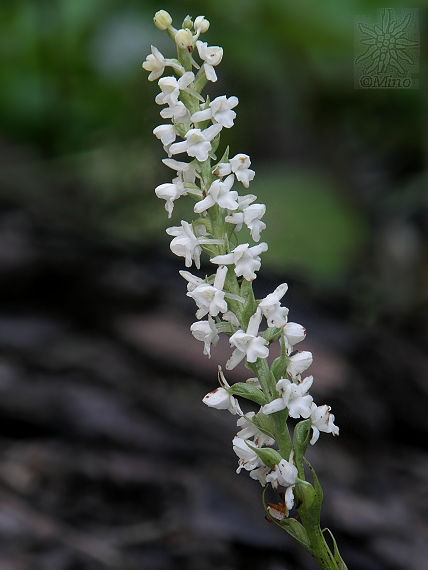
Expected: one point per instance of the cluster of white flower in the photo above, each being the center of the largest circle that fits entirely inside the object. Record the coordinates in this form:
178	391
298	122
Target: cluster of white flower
225	300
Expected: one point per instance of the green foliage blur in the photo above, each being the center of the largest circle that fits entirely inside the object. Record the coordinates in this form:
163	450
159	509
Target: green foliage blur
77	115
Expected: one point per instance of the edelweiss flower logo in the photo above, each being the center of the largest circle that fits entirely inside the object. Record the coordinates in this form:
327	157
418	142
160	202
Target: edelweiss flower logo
388	44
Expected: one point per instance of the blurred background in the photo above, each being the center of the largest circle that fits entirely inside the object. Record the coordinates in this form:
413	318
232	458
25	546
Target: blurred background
107	456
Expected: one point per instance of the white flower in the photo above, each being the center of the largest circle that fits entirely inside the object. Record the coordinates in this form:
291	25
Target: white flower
210	298
166	133
219	193
223	169
206	332
185	243
259	474
248	343
188	171
211	55
170	88
239	165
220	110
322	420
192	280
250	430
188	245
252	219
248	459
170	192
179	113
197	142
299	362
284	474
231	318
295	397
155	62
249	215
294	333
201	24
245	258
222	400
270	307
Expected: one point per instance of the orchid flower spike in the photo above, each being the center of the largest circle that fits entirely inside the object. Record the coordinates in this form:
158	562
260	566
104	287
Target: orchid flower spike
225	302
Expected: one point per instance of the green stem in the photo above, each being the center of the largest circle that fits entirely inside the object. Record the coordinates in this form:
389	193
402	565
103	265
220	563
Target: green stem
320	549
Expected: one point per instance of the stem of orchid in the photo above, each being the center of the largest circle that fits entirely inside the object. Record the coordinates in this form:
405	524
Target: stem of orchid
320	548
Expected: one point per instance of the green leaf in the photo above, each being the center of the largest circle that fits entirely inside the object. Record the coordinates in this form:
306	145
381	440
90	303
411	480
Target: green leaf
272	333
224	158
306	493
340	562
297	531
264	424
249	392
300	444
279	365
246	291
270	457
310	509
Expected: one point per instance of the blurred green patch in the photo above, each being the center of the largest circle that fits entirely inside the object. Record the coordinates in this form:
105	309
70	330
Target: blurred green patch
311	229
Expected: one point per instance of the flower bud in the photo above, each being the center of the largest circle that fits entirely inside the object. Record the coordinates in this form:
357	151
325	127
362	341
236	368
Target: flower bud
187	22
184	38
162	20
201	24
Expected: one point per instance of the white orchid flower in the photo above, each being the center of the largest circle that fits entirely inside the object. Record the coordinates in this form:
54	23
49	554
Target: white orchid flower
170	192
248	458
270	307
250	430
295	397
167	135
322	420
188	171
179	113
248	344
298	363
197	143
245	258
156	63
210	298
219	193
170	88
211	55
186	244
192	280
284	474
239	165
206	332
219	110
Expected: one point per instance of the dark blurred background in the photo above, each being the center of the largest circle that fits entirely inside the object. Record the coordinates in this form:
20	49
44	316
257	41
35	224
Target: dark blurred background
107	456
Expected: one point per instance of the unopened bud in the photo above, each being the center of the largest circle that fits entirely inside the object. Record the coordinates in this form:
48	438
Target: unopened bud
201	24
162	20
187	22
184	38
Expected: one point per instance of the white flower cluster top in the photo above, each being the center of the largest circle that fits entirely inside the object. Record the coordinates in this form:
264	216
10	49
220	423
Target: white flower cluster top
225	300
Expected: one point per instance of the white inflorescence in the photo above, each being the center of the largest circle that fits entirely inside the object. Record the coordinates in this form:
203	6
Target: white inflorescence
198	122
